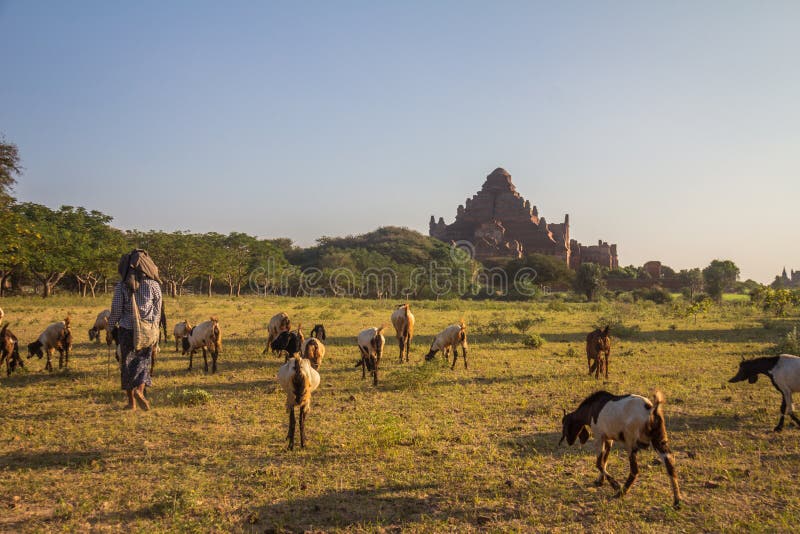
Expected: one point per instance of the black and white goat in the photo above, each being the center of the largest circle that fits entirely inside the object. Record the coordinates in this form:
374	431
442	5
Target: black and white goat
57	336
783	371
634	420
318	332
208	337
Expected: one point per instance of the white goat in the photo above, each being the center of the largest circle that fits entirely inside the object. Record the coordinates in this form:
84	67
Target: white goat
631	419
370	343
279	323
206	336
403	322
101	323
180	331
783	370
453	336
57	336
298	379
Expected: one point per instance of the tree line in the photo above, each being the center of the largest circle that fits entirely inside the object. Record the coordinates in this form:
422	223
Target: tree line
75	249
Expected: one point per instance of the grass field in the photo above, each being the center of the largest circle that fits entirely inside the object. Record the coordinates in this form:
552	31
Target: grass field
428	450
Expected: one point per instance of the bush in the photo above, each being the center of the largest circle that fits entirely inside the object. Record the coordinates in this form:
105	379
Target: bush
557	306
534	341
525	324
617	326
190	397
656	294
790	344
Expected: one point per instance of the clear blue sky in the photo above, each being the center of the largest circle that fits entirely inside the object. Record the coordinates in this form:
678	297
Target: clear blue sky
670	128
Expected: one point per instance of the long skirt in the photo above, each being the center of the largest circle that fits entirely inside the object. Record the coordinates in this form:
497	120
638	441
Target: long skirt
134	366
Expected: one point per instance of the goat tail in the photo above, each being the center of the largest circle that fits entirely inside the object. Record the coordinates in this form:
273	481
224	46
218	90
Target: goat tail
299	382
658	399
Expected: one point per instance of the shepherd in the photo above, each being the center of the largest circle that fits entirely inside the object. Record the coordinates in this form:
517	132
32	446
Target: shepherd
136	309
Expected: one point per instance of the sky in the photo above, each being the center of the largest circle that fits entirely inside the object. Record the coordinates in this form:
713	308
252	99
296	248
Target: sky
669	128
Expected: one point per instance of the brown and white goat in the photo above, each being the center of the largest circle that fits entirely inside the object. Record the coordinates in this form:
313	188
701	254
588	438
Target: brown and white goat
453	336
633	420
208	337
100	323
313	350
298	379
180	331
279	323
598	350
9	350
403	322
370	344
57	336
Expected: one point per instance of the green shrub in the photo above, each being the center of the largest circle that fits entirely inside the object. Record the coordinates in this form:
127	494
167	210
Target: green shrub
525	324
534	341
190	397
617	326
790	344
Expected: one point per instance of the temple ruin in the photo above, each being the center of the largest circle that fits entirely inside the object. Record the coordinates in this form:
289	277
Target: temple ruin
501	224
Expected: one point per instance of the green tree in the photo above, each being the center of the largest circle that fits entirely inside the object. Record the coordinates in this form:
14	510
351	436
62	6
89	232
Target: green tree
48	248
95	249
9	168
719	276
236	260
691	280
589	279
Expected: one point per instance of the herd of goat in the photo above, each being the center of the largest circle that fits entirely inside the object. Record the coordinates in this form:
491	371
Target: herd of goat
635	421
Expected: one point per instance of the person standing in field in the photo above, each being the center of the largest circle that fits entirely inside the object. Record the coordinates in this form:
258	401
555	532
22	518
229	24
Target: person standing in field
136	308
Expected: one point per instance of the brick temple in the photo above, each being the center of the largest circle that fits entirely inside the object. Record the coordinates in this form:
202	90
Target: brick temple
501	224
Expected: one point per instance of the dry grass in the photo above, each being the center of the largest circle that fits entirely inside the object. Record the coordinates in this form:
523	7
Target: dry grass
429	450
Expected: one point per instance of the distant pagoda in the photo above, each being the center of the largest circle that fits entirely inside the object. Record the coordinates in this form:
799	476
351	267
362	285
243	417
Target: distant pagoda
501	224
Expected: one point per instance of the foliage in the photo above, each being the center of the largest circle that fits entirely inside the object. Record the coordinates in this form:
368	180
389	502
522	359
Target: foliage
790	344
778	301
10	167
720	276
534	341
190	397
657	294
589	280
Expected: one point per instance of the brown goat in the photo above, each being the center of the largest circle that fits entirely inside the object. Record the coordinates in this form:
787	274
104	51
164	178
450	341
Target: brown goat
598	349
403	322
9	350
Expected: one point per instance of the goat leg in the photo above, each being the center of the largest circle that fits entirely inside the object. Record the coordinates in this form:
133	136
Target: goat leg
291	428
205	360
302	427
669	463
632	475
214	356
779	427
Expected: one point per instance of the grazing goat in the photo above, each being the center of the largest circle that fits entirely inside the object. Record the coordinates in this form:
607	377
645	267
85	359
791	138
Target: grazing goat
783	371
370	343
57	336
9	350
180	331
206	336
318	332
598	349
631	419
279	323
403	322
101	323
313	350
298	379
289	342
453	336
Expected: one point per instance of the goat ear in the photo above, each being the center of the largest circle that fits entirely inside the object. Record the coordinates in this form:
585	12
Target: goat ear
583	435
605	331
